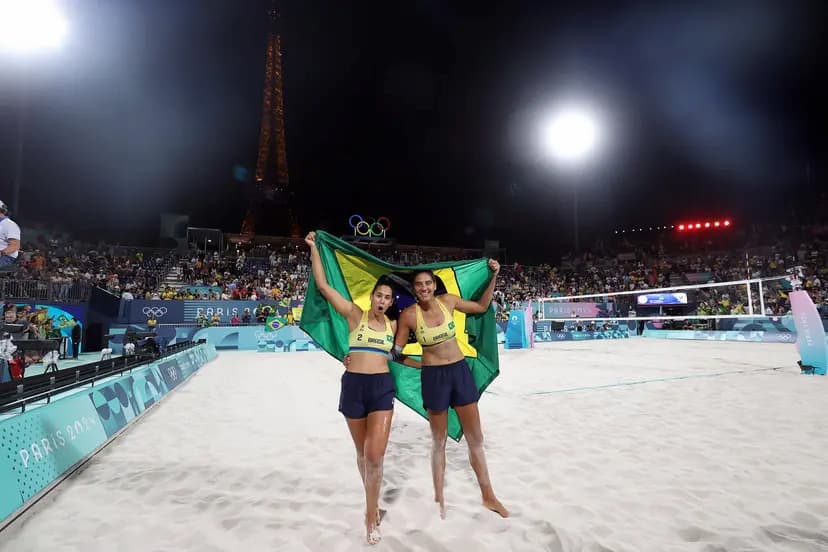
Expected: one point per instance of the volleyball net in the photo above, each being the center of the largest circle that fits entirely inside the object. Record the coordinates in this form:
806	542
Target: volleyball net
700	306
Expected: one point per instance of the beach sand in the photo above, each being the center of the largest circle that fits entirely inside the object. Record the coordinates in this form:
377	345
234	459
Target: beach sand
622	445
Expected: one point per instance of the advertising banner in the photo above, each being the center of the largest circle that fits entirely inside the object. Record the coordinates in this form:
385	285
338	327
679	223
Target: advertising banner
560	309
40	445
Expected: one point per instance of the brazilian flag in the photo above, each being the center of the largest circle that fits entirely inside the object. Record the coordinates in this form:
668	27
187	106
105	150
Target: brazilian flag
273	323
353	273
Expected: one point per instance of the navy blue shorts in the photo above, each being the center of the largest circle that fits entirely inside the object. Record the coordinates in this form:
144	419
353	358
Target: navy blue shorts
364	393
448	385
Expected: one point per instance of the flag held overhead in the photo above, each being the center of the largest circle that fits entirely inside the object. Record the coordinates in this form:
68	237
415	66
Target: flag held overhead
353	273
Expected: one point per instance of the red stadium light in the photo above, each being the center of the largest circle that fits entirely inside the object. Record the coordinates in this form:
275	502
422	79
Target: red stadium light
717	224
681	227
707	225
727	223
698	225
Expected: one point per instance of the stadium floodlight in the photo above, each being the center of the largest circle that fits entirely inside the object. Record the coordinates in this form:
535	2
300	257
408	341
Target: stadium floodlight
572	135
28	26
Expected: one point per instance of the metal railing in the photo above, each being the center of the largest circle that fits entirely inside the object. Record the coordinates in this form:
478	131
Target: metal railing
17	394
41	290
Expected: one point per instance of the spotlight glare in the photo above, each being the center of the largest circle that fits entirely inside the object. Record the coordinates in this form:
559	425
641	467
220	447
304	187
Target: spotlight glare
31	26
572	135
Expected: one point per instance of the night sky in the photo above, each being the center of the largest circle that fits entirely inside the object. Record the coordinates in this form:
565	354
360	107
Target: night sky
426	112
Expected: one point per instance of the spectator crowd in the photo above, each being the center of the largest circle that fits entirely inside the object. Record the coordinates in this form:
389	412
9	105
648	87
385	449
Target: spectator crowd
281	272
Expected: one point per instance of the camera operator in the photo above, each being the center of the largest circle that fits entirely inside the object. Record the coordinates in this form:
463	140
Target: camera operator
9	237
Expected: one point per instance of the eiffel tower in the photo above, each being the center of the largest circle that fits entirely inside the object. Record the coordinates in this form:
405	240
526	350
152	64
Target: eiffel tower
271	204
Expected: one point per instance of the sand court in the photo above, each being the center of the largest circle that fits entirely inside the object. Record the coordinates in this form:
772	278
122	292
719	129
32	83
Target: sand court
624	445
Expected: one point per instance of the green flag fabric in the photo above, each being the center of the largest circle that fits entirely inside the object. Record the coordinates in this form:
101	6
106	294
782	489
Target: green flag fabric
353	273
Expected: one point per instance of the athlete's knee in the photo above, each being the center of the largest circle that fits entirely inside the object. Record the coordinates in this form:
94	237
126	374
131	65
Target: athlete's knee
373	456
474	439
438	441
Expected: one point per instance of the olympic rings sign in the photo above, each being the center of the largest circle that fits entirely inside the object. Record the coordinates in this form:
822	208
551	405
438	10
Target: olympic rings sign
369	226
158	312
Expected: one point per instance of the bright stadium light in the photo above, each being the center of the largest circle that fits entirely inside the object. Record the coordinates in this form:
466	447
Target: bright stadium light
28	26
572	135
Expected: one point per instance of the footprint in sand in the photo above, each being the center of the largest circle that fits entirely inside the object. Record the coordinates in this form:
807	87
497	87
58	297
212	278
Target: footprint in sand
806	519
695	534
391	495
229	523
796	536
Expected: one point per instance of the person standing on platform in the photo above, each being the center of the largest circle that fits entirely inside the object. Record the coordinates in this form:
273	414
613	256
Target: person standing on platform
76	338
9	238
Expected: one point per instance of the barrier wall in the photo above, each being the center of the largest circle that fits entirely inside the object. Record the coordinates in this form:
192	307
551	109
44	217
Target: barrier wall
558	309
39	446
229	338
184	312
545	332
291	338
547	337
758	336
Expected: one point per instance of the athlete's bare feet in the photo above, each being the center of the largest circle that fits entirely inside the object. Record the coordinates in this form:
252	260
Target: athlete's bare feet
442	502
372	532
374	535
494	505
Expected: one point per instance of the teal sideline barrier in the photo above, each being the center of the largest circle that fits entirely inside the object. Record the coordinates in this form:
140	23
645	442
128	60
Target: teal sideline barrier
228	338
39	446
758	336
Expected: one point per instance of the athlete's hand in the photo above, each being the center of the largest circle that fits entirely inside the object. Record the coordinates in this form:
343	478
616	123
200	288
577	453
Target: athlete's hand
494	265
346	360
310	239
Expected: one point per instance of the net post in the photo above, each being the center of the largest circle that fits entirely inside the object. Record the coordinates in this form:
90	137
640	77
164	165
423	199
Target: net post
750	299
761	297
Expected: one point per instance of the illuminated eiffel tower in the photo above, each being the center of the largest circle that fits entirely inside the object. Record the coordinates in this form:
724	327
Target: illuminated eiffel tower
271	204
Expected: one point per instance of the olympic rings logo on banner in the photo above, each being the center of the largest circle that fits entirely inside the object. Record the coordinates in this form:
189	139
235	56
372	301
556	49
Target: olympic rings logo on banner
158	312
369	226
